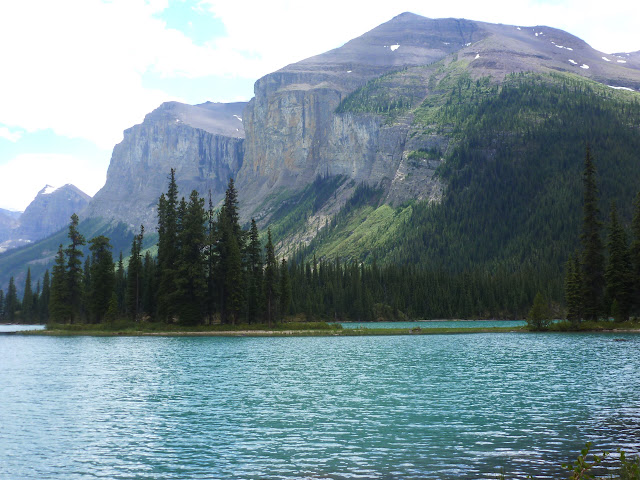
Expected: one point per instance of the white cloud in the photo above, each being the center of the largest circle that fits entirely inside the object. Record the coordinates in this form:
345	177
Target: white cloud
76	66
25	175
9	135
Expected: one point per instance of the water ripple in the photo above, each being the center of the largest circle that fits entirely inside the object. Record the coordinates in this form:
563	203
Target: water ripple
443	406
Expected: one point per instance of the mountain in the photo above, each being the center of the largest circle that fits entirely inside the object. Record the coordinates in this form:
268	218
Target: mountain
46	214
204	143
446	144
8	220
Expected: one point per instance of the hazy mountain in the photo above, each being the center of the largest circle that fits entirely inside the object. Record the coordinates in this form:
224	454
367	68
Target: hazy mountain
47	213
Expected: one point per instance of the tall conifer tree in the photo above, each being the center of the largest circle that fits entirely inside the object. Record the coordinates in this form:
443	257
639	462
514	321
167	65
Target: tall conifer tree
270	281
11	302
618	272
285	289
59	304
27	299
167	248
191	288
134	276
592	248
634	251
102	277
254	273
74	268
43	300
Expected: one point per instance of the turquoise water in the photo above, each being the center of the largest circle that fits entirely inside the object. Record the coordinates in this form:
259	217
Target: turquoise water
437	324
20	328
401	407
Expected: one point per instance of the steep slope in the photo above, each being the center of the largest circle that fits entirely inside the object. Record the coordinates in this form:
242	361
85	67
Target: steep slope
46	214
297	129
50	211
204	143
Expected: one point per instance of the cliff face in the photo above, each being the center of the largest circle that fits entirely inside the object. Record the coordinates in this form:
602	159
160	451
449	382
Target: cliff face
296	131
204	143
293	133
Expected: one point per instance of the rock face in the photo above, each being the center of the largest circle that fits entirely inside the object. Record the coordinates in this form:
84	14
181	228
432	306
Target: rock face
293	129
294	132
8	221
204	143
46	214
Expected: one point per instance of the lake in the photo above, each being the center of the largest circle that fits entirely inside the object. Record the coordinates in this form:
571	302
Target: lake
400	407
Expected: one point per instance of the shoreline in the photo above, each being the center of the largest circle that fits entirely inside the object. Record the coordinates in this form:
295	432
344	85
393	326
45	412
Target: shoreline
299	333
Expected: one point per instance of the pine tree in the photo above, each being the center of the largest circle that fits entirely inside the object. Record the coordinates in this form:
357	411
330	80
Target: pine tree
270	281
102	287
11	303
211	262
74	269
121	285
592	248
134	277
618	272
59	302
191	287
634	251
254	273
27	300
573	290
149	300
43	301
167	248
230	270
285	289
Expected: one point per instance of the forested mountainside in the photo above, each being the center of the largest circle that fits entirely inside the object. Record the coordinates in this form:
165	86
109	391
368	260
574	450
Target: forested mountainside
444	145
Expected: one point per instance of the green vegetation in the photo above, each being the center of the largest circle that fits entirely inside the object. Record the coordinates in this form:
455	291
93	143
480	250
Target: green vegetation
389	95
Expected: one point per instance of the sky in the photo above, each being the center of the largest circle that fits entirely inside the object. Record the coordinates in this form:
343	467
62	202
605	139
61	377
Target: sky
76	73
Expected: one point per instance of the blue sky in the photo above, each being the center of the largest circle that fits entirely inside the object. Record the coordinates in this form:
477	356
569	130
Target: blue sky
76	73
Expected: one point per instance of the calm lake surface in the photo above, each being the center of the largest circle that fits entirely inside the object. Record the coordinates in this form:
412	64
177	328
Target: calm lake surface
401	407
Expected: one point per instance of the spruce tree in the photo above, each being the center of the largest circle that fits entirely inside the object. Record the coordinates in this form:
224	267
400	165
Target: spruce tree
121	285
592	248
74	269
167	248
27	311
573	290
134	277
149	305
254	273
212	262
43	301
11	303
59	305
191	287
103	279
270	281
285	289
634	250
618	271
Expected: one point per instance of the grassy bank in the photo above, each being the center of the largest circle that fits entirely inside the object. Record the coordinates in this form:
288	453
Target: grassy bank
281	329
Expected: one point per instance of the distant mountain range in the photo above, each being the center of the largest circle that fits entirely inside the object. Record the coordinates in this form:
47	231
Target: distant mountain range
444	143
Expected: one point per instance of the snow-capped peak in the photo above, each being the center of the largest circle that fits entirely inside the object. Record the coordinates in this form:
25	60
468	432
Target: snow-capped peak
48	189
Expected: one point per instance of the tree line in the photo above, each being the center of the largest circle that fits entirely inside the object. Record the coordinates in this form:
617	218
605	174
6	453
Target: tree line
209	269
602	279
